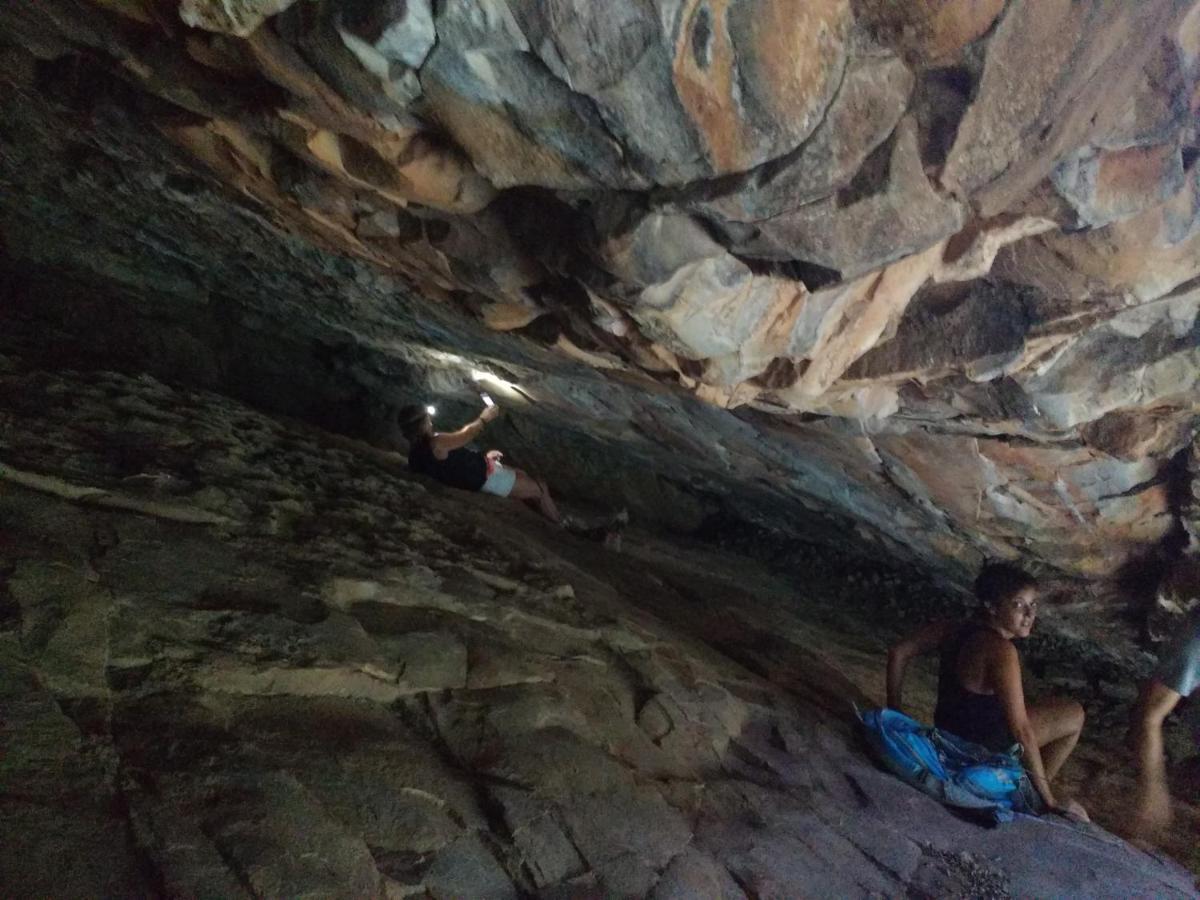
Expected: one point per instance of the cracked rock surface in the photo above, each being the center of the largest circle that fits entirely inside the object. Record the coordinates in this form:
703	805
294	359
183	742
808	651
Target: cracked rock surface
321	677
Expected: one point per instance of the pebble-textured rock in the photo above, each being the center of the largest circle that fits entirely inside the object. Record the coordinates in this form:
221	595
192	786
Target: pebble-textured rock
242	657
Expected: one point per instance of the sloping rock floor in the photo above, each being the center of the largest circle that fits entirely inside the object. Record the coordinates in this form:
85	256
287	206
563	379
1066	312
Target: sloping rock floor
239	657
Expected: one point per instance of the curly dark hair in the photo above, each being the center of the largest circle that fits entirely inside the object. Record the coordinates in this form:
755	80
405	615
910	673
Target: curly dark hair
999	581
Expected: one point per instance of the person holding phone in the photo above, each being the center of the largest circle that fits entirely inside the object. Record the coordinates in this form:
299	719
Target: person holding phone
446	457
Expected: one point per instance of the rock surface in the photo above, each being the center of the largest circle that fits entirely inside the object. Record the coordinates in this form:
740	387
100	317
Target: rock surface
354	683
921	274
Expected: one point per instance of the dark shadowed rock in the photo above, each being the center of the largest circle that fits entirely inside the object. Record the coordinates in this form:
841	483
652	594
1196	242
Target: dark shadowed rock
885	217
500	102
867	106
620	56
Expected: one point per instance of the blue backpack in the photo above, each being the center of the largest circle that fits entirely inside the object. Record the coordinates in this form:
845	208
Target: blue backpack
960	774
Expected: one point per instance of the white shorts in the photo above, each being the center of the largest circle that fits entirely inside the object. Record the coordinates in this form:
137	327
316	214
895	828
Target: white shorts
500	482
1179	667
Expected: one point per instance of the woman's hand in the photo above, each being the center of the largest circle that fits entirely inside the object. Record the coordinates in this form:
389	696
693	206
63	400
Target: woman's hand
489	413
1073	809
494	455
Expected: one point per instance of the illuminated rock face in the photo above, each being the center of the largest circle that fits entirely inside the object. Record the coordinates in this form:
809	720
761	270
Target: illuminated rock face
926	269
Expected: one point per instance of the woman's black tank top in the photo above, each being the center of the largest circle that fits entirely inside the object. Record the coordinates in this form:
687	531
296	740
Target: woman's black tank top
462	468
978	718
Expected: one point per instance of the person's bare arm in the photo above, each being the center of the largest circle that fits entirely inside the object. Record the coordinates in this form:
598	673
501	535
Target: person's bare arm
921	641
443	442
1154	798
1004	675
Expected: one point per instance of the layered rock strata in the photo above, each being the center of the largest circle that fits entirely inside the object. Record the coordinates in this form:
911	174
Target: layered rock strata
930	266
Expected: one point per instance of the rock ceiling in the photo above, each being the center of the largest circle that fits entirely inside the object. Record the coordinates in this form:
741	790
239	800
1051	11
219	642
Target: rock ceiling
937	259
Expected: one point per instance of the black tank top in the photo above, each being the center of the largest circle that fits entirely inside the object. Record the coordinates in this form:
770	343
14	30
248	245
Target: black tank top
978	718
462	468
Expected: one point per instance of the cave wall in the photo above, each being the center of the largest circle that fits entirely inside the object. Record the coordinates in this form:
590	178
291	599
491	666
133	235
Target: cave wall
919	273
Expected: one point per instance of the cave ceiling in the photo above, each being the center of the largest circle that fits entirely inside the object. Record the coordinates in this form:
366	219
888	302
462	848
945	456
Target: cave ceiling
928	269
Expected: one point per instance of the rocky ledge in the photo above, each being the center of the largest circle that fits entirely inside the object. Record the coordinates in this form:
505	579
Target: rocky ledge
322	678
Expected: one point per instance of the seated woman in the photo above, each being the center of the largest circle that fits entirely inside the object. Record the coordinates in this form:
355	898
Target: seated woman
980	696
445	456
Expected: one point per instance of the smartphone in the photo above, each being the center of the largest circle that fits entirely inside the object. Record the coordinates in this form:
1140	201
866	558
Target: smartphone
487	400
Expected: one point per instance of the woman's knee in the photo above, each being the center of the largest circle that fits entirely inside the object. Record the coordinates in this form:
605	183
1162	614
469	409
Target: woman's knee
1066	715
1057	717
1071	714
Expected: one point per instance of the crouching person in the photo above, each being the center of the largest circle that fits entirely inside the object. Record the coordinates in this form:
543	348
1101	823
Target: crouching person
981	697
445	456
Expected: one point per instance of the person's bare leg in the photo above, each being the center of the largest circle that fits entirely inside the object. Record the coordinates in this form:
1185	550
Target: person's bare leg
546	503
1057	722
1153	811
528	490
